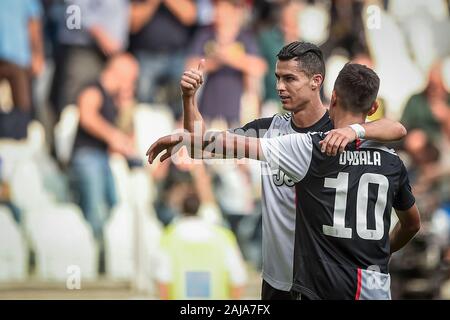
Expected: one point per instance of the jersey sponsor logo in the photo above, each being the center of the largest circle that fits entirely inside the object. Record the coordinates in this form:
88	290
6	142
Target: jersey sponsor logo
280	178
360	158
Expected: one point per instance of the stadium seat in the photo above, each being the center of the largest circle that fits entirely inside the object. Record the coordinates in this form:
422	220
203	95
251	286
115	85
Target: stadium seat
121	174
13	250
61	238
403	9
131	241
27	187
144	190
36	137
119	248
13	152
147	238
65	132
313	23
393	64
150	123
334	65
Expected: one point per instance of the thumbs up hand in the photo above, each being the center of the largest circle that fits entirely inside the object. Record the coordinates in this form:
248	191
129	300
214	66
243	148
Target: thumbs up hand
192	80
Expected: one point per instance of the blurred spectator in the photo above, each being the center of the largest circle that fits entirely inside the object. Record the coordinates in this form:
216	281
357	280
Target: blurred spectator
160	32
274	37
172	190
21	56
103	32
231	61
346	28
234	192
92	178
430	109
199	260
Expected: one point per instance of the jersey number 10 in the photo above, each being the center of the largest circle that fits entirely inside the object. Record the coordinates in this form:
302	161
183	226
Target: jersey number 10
338	229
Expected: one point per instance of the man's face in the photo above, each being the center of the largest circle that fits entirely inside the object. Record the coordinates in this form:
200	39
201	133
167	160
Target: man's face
293	86
128	76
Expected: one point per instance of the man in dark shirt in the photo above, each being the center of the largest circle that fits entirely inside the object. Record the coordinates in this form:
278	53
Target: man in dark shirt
97	135
160	32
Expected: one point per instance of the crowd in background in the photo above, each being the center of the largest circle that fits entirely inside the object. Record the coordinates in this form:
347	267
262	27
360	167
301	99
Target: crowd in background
115	63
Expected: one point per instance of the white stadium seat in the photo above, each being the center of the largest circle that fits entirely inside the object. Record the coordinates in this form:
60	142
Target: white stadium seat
150	123
61	238
131	240
334	65
393	64
119	249
13	250
27	187
65	132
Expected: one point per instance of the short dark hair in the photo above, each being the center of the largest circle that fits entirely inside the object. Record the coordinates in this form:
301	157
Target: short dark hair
308	55
357	87
191	204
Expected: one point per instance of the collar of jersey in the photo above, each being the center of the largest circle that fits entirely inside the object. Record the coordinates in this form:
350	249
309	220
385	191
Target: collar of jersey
315	127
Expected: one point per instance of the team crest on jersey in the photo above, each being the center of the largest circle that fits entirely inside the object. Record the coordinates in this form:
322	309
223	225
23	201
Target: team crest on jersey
280	178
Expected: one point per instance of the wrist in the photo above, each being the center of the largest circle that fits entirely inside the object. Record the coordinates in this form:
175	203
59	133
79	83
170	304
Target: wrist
187	95
359	130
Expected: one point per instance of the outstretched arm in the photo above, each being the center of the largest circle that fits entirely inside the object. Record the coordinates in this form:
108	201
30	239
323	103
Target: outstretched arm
220	144
380	130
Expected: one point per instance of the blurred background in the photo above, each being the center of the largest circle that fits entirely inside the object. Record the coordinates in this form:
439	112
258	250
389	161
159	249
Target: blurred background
86	86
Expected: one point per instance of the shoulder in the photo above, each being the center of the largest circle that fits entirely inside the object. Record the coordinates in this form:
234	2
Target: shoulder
370	144
255	128
91	93
282	118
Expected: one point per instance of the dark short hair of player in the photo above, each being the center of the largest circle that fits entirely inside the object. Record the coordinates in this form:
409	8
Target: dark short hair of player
357	88
309	57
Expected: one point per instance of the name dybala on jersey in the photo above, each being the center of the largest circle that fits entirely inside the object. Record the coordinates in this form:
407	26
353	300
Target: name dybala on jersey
278	201
343	206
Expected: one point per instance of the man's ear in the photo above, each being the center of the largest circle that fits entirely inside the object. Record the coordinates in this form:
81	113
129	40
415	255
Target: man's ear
316	81
373	109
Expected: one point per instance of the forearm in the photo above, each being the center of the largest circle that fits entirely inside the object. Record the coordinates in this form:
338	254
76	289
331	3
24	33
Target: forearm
184	10
97	127
400	236
384	130
223	145
36	41
141	13
192	118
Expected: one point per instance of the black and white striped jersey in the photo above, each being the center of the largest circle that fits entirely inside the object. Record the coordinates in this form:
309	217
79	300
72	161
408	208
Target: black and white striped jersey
278	201
343	206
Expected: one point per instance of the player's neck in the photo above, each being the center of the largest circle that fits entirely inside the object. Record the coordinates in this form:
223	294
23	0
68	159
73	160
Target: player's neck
346	118
309	115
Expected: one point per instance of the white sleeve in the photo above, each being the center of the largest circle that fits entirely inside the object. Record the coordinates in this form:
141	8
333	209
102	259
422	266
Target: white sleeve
290	153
